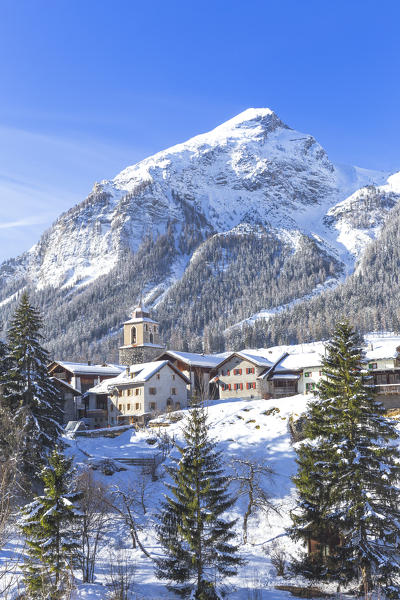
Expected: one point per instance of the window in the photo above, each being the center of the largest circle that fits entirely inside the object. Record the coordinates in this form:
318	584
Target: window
307	374
372	366
128	407
169	402
137	406
152	391
173	391
310	387
120	407
229	386
111	407
320	373
228	372
251	385
237	371
133	335
153	406
120	393
137	391
173	376
250	370
158	375
238	386
129	392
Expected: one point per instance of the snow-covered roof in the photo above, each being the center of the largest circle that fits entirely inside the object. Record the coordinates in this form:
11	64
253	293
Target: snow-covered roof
197	360
285	376
255	357
105	386
144	371
300	356
381	347
67	385
85	369
141	372
305	356
140	320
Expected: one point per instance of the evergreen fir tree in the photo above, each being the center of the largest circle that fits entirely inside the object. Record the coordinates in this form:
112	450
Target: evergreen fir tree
28	392
196	539
348	476
47	524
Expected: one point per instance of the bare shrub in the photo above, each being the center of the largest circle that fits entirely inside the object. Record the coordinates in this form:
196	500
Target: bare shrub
121	577
278	558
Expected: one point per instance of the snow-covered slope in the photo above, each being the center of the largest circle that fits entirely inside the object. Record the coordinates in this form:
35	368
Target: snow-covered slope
242	429
360	217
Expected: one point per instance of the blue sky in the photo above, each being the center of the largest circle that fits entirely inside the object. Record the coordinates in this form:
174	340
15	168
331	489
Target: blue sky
89	87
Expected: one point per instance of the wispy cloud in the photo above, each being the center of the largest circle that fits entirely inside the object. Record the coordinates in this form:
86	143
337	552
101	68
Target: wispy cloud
26	222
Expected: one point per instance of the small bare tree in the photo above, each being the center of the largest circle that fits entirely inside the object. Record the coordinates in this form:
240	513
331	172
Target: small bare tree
128	503
95	509
251	477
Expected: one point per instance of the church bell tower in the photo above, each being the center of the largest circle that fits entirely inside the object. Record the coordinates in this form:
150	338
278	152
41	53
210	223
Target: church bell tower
141	339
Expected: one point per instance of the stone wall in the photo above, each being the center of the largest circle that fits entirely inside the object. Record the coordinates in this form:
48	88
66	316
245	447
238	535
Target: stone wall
137	354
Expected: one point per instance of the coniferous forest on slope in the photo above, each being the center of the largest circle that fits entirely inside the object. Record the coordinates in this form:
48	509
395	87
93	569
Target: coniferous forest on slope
230	278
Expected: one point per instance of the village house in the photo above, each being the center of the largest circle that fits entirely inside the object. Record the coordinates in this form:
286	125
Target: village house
81	377
140	392
304	360
198	368
383	356
250	374
69	397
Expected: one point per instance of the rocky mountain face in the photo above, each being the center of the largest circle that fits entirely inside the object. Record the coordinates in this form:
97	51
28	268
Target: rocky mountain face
249	217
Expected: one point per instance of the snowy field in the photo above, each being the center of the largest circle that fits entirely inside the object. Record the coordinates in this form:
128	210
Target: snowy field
242	429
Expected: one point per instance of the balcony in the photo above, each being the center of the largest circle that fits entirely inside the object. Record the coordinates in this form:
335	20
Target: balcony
387	388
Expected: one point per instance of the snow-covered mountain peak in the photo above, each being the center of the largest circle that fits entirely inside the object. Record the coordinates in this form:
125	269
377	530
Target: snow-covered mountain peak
250	176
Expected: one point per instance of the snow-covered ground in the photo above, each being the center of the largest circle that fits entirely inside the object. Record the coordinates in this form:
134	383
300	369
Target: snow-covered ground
242	429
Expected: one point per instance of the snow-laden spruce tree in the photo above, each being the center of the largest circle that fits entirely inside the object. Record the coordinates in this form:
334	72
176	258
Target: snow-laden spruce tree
196	538
28	392
348	476
48	525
